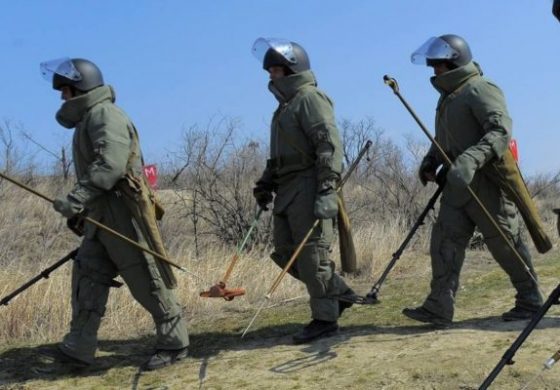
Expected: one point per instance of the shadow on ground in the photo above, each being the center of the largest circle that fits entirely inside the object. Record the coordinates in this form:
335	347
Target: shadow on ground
23	364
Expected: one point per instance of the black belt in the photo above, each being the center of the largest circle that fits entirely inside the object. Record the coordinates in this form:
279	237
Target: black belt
287	160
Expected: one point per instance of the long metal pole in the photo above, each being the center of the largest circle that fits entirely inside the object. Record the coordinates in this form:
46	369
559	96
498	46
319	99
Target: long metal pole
44	274
372	297
241	246
507	358
98	224
392	83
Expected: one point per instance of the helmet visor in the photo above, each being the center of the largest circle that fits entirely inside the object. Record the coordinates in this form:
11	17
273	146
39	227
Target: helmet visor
281	46
433	49
61	66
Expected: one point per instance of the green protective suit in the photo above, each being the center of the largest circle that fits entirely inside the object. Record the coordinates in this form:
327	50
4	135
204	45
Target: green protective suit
102	146
305	150
473	127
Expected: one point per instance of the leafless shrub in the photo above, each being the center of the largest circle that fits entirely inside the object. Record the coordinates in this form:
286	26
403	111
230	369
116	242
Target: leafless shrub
545	185
14	156
385	185
206	190
63	162
214	181
215	171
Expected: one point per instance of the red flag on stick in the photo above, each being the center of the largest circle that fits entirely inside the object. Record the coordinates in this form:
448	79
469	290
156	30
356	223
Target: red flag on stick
150	171
514	150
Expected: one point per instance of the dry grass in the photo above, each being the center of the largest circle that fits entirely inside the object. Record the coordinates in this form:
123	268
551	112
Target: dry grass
405	354
33	236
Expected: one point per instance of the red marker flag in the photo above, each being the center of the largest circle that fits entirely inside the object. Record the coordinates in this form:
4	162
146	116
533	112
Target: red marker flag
514	150
150	171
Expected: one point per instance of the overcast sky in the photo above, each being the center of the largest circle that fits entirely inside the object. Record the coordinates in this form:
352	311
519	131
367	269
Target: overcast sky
177	63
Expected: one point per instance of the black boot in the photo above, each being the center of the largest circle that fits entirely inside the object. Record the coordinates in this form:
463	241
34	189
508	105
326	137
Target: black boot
56	355
343	305
165	357
423	315
314	330
346	300
518	314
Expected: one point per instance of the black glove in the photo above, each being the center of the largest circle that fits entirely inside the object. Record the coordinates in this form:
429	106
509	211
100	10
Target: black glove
263	194
556	9
76	224
427	171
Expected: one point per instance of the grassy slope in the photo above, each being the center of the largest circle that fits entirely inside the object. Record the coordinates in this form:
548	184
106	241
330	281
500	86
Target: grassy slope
377	348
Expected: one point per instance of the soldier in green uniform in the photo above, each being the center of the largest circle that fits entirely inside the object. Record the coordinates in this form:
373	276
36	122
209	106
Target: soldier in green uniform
303	170
474	128
107	155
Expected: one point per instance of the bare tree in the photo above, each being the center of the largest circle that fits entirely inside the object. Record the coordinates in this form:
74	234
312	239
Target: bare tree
385	185
10	153
545	185
15	158
216	174
62	161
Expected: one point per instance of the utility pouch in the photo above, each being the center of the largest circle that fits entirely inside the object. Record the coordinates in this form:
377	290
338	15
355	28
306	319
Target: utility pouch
158	208
138	187
348	258
507	176
141	202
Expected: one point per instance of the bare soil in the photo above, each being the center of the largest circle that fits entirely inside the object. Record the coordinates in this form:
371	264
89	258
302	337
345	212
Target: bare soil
375	348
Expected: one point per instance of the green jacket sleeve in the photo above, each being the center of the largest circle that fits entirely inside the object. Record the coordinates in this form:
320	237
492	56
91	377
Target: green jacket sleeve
109	135
488	105
316	118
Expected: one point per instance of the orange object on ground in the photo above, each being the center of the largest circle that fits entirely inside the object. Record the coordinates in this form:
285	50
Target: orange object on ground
219	290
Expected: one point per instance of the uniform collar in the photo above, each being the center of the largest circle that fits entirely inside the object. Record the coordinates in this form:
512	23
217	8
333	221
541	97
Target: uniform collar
450	81
72	111
285	88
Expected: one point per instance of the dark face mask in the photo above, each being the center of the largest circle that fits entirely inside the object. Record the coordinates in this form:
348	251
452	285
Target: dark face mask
449	64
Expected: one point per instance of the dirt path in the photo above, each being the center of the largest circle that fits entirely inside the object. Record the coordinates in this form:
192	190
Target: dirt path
376	348
360	356
411	357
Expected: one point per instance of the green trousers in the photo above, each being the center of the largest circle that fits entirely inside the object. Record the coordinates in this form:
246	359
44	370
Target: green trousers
293	217
101	258
451	235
